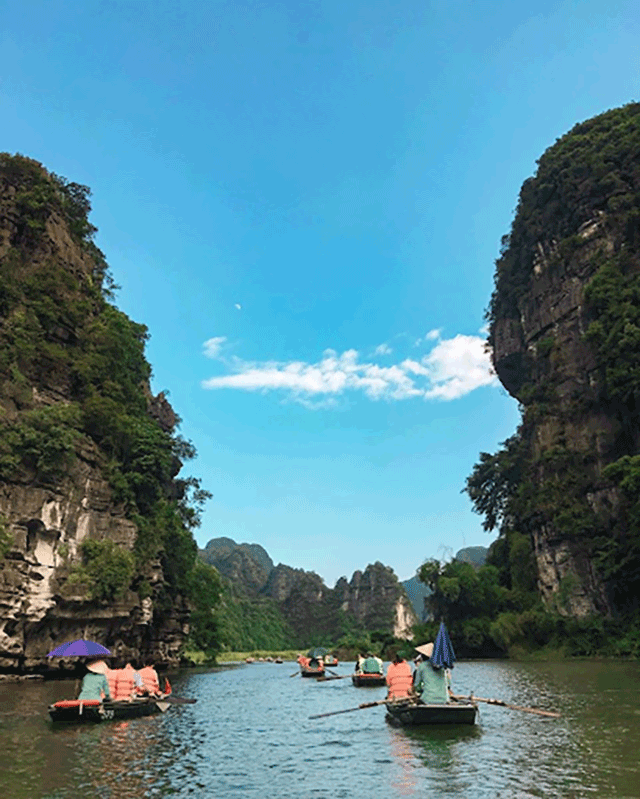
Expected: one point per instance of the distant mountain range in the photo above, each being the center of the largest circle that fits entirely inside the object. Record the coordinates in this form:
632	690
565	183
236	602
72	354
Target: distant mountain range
373	600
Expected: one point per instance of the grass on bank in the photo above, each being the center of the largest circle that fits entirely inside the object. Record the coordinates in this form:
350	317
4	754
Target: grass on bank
199	658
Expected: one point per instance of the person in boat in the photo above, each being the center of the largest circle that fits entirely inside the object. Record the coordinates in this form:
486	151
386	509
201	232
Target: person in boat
150	679
359	661
431	683
399	678
372	665
94	683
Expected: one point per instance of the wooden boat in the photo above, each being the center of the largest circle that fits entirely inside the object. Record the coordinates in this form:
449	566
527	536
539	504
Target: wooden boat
364	679
330	660
409	714
91	710
312	671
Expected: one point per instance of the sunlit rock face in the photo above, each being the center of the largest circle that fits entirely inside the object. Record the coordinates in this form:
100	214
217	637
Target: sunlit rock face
576	217
45	520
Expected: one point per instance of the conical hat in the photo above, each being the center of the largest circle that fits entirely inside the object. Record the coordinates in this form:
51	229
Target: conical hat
98	666
425	649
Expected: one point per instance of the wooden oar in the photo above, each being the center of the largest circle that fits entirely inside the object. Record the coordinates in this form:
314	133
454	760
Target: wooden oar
351	709
500	703
295	673
172	699
337	677
331	672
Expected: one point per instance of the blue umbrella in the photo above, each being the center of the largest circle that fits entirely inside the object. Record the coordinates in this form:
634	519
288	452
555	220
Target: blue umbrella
79	648
443	654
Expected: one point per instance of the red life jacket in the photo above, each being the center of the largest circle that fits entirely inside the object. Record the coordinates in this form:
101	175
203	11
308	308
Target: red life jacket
112	676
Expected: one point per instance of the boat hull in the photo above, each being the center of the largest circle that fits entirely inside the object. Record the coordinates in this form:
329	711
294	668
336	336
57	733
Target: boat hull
82	713
306	672
411	714
370	680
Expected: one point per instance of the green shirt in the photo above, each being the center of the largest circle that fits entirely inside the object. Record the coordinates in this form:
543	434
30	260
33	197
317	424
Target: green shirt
431	684
93	686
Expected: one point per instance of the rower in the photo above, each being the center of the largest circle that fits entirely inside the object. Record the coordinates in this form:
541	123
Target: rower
94	682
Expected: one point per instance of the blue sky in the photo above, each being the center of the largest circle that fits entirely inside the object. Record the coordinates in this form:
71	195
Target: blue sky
303	202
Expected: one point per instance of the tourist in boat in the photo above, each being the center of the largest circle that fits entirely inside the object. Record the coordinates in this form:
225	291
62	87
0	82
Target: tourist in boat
399	678
359	661
150	679
431	683
94	682
372	665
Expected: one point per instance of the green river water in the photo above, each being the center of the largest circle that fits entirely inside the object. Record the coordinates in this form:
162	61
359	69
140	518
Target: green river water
249	735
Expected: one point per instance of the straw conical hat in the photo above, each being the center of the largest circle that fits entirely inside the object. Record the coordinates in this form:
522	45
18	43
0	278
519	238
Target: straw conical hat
425	649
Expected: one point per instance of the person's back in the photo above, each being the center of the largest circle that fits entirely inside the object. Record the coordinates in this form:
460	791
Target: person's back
399	678
431	684
371	665
150	679
94	686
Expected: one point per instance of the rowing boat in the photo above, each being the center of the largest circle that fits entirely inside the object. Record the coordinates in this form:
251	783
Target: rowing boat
312	671
92	710
409	714
365	679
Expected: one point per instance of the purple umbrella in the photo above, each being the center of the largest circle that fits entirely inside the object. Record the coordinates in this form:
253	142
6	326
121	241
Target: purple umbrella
79	648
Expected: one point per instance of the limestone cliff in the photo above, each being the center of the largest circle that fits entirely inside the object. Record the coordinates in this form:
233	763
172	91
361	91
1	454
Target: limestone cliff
373	600
74	400
564	333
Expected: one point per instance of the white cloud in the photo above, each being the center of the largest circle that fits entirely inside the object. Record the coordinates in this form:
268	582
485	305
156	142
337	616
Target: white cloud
453	368
383	349
434	334
213	346
237	306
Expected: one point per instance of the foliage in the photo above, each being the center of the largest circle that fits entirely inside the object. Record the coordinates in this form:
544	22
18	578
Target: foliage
106	570
205	590
59	333
593	168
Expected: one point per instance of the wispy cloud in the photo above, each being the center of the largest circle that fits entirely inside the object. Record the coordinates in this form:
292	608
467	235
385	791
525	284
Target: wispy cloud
213	346
454	367
383	349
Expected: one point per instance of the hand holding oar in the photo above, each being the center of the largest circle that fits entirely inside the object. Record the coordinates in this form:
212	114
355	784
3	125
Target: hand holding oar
500	703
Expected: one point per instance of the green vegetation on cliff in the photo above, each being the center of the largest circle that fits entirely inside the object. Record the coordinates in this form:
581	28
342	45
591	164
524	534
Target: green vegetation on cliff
73	375
577	224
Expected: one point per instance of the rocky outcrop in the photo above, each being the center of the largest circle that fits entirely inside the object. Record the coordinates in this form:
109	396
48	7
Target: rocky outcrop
576	216
373	599
55	491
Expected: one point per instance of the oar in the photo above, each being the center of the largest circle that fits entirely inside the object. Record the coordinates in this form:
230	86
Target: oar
295	673
337	677
499	702
172	699
331	672
351	709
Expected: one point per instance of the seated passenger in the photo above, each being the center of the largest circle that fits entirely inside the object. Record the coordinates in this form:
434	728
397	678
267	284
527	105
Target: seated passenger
372	665
150	679
431	682
94	682
399	678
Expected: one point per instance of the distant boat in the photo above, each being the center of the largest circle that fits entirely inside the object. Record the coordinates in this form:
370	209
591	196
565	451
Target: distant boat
411	714
330	660
249	660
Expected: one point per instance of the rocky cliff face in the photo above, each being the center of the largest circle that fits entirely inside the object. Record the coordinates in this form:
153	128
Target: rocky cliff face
576	222
373	599
55	492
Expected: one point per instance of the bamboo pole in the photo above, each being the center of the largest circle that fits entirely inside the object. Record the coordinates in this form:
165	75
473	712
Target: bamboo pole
471	698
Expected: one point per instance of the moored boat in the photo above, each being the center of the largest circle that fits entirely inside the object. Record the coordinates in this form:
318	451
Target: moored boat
364	679
410	713
92	710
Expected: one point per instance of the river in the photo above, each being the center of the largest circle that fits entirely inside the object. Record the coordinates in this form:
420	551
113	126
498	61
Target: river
249	735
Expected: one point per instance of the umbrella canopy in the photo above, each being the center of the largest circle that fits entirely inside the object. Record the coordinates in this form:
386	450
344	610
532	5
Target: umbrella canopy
79	648
443	654
318	652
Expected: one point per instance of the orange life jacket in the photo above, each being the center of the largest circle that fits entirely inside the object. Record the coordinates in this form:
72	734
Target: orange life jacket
125	684
399	679
150	679
112	676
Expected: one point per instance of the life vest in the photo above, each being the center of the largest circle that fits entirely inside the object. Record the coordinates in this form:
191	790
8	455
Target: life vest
399	679
125	684
150	679
112	676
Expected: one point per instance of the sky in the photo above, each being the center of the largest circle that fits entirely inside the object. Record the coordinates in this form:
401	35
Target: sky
303	201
